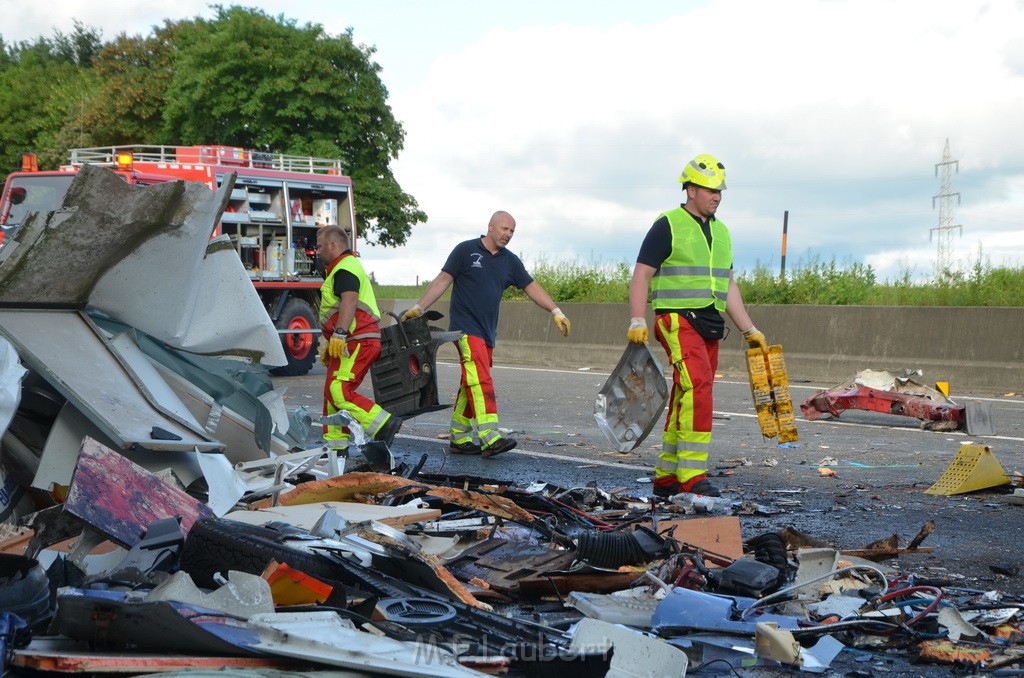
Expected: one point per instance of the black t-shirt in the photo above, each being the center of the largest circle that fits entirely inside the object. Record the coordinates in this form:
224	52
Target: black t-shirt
480	280
345	281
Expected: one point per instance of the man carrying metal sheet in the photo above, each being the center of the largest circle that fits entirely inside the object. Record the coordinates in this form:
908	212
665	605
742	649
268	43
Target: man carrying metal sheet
686	261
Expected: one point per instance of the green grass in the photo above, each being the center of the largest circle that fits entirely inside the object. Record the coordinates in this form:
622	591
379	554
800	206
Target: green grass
812	282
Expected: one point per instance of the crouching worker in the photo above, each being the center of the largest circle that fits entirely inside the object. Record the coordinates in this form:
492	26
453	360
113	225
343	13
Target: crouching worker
349	320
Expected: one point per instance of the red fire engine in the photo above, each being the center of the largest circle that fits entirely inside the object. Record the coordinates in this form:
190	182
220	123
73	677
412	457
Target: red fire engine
277	203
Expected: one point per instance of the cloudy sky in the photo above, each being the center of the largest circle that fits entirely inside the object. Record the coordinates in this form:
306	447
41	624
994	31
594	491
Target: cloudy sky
577	116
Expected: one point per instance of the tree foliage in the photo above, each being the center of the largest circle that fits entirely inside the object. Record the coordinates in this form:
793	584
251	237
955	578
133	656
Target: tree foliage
241	78
42	84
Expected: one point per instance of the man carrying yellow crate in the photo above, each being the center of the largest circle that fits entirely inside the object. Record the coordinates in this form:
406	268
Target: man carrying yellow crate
686	261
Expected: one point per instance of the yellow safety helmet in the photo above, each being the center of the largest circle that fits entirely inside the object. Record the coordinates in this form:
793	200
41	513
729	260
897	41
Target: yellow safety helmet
706	171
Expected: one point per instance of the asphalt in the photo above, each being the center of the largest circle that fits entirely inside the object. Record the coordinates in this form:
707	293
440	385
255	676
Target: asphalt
878	466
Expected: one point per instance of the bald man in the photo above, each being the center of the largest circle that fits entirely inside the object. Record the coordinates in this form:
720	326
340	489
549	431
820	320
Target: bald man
480	270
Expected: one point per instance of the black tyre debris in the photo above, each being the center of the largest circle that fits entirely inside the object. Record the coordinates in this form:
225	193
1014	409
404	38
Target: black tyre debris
216	546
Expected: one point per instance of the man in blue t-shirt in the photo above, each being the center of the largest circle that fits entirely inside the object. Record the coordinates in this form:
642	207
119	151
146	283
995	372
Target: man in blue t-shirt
481	269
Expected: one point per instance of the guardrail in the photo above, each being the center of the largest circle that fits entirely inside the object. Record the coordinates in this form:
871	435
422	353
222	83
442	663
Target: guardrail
976	349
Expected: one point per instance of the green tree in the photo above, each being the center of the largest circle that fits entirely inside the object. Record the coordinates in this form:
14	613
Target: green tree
247	79
78	47
134	73
42	83
242	78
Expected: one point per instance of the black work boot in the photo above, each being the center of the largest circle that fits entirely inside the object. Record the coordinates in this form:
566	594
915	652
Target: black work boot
498	446
386	433
463	448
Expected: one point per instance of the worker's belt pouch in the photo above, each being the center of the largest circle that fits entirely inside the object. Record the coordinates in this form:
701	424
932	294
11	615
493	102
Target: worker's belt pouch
710	327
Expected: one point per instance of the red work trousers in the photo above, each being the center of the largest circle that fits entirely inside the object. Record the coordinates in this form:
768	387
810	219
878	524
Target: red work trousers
475	406
687	437
344	375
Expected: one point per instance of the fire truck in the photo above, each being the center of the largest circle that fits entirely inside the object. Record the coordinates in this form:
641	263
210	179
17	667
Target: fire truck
277	204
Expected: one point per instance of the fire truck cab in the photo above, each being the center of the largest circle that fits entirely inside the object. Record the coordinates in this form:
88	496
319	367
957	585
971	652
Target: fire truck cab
277	204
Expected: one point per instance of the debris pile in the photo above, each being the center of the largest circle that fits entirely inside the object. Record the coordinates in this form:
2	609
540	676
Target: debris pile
454	575
161	510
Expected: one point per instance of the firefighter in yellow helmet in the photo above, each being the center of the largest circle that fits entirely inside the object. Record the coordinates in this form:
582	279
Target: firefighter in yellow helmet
686	262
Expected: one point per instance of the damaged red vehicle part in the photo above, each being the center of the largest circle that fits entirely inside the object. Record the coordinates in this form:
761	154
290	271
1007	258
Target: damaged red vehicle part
864	398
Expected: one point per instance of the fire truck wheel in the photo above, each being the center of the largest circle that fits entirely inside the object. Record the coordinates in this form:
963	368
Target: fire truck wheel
300	349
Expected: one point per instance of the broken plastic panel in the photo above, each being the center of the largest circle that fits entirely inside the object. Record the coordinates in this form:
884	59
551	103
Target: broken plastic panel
632	653
405	376
630	402
120	398
769	385
152	265
326	638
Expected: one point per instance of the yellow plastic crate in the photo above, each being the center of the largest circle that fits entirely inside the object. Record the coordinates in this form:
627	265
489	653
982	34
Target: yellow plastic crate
769	386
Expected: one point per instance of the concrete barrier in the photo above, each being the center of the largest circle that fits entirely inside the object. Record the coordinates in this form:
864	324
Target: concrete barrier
976	349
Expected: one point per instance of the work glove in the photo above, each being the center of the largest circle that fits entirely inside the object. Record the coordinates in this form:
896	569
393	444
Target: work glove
324	358
637	333
338	348
561	322
755	339
415	312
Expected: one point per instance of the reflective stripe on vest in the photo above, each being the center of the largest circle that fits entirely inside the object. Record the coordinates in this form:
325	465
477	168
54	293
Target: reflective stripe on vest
330	303
694	275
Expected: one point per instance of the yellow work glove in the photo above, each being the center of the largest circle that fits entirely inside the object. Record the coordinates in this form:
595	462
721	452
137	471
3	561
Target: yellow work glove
415	312
338	348
637	333
755	339
324	359
561	322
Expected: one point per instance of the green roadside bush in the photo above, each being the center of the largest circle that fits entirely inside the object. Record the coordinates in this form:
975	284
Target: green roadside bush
812	282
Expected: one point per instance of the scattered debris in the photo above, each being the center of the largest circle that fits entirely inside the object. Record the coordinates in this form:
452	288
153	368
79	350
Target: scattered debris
172	515
900	394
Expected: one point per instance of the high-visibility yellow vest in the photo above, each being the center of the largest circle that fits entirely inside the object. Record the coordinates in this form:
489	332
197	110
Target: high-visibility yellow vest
330	302
694	275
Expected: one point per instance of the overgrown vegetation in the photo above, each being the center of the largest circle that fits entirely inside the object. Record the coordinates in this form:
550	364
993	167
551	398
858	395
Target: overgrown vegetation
813	282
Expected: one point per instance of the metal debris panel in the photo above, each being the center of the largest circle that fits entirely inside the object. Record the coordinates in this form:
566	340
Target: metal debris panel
630	402
69	352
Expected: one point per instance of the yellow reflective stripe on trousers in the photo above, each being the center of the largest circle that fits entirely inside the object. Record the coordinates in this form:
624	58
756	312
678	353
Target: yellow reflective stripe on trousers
684	453
470	391
370	420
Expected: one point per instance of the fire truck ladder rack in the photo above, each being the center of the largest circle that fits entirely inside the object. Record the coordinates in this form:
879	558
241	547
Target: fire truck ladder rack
207	155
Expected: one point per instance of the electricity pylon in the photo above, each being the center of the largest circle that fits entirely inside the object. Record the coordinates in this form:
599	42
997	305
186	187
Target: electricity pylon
944	231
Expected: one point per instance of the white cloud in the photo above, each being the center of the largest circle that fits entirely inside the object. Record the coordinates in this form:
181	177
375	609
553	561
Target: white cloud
835	111
578	116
